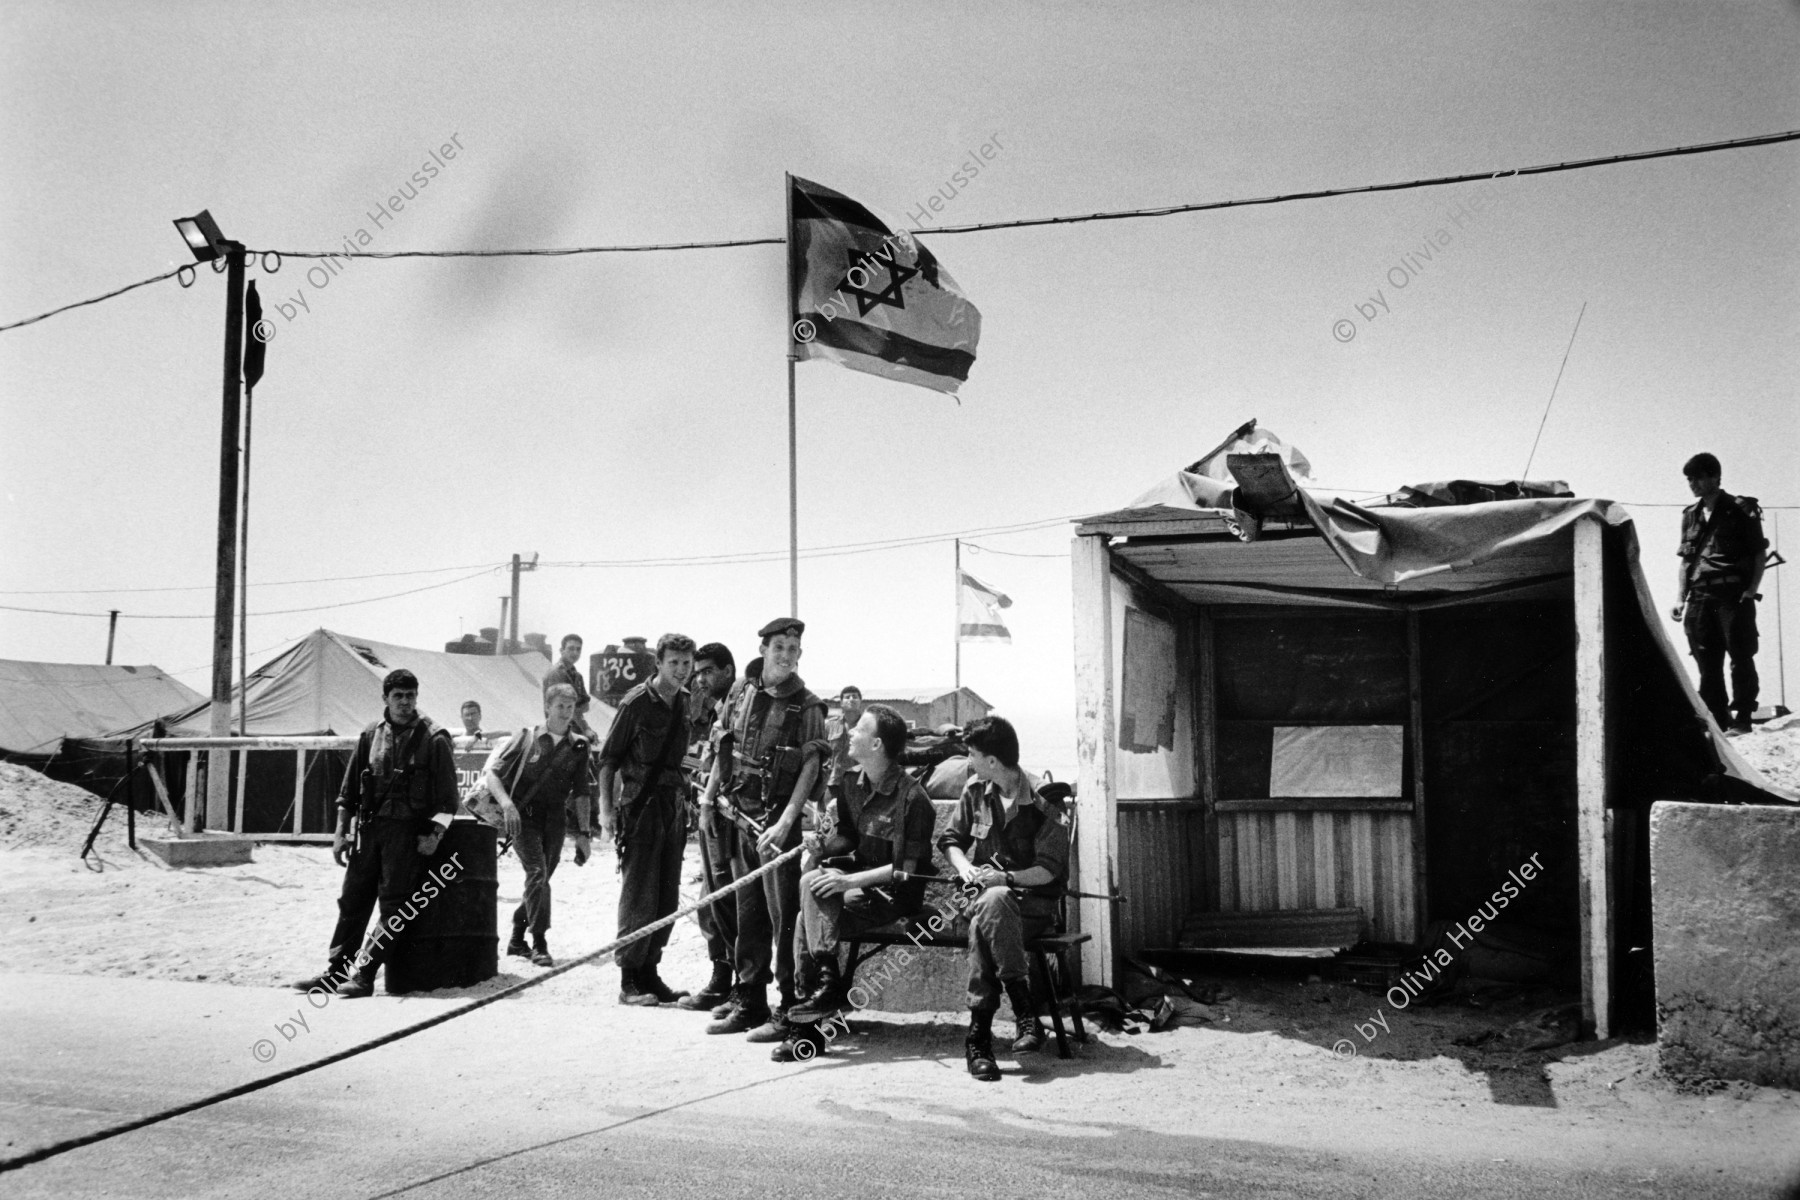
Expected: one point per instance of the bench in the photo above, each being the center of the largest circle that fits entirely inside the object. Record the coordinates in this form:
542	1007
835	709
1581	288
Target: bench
1051	974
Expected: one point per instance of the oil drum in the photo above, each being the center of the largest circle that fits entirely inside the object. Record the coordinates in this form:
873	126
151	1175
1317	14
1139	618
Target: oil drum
452	940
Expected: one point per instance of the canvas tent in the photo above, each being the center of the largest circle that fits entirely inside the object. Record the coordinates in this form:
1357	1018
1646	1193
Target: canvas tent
330	683
51	712
1290	702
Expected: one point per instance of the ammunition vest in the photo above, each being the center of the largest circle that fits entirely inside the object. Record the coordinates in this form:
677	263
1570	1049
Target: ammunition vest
766	758
403	790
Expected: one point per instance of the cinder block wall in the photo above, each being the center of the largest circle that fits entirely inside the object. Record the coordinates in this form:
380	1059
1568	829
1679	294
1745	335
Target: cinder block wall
1725	885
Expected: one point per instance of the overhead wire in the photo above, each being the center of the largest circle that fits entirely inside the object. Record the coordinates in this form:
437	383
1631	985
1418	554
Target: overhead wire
1768	139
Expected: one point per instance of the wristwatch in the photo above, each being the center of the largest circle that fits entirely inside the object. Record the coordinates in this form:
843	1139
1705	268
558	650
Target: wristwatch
1009	878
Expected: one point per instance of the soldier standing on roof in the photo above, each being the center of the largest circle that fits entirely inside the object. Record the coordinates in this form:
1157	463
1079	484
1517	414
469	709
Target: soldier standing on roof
771	748
1722	560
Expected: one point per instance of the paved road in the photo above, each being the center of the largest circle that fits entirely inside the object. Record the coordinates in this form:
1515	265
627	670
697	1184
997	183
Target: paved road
542	1098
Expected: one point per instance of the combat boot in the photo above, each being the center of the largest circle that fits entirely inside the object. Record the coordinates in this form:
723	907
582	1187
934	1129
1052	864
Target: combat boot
978	1047
517	948
632	990
360	985
826	999
1028	1036
802	1045
328	982
716	991
652	982
749	1010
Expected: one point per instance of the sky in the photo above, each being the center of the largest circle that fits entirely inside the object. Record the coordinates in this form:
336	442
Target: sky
423	420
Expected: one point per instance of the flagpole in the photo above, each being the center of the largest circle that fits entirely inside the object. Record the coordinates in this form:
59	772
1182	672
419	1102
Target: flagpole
956	637
793	424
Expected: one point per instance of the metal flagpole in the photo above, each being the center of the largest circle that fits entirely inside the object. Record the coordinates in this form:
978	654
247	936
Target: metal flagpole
793	434
956	637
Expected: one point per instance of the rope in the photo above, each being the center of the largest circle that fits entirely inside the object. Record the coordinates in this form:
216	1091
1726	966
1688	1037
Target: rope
112	1131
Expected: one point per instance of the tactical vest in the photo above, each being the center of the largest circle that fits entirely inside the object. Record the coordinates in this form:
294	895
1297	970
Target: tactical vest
405	789
764	770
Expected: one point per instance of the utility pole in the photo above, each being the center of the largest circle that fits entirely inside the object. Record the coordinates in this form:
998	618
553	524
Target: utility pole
218	762
500	633
112	627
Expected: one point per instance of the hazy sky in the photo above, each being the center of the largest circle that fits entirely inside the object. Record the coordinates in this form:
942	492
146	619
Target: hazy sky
436	414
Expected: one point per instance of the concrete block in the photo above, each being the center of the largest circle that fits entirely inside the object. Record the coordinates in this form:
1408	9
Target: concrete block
201	850
1726	903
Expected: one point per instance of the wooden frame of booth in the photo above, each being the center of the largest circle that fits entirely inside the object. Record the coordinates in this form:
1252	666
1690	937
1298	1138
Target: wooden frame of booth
1177	846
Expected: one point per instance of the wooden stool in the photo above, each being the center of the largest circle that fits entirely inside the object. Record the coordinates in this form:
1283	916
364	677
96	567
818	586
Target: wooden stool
1049	961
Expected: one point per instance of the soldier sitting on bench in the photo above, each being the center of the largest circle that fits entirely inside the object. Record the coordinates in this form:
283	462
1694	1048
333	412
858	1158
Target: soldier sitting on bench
881	844
1012	841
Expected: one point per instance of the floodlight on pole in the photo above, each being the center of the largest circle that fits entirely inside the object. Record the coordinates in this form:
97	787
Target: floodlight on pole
209	244
202	235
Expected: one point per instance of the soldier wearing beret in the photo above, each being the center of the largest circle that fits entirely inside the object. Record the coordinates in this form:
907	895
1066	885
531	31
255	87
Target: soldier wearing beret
397	799
771	749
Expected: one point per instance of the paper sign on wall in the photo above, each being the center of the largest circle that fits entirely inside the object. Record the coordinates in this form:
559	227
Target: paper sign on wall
1336	760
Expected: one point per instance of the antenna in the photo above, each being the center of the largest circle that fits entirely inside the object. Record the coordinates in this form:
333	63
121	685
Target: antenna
1526	473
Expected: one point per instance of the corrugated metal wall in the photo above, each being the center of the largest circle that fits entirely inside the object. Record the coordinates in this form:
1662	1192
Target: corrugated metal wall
1289	860
1161	865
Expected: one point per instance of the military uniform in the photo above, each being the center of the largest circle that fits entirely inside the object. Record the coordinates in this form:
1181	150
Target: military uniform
889	821
553	787
645	746
1720	554
400	785
766	737
718	922
1002	919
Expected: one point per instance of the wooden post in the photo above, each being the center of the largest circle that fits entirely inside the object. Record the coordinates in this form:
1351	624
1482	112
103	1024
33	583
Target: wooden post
1415	720
299	788
1098	828
190	812
1590	777
1206	721
218	798
242	759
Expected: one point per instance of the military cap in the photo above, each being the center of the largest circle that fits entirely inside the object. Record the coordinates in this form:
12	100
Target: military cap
780	625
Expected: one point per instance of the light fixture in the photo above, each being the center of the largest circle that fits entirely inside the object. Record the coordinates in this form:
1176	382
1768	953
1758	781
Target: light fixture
202	235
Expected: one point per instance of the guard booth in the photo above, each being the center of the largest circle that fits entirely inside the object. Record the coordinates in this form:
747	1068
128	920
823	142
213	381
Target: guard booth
1323	707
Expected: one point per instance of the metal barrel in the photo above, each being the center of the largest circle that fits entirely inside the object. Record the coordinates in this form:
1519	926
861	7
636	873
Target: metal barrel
453	940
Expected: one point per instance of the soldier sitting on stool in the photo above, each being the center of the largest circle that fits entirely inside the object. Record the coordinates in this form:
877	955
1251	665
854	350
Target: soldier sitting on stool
1011	840
400	791
884	823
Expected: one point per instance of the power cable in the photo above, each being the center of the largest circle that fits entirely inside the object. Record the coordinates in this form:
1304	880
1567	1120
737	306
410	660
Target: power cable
1768	139
276	612
207	587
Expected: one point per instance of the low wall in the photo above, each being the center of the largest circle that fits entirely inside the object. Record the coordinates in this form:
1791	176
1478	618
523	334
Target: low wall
1726	898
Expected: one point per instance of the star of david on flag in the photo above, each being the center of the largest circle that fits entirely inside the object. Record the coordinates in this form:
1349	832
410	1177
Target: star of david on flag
872	299
978	608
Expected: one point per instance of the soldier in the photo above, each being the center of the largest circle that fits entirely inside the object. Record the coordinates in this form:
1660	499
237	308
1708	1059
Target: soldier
1009	839
850	711
552	773
771	746
715	671
567	670
1722	561
643	811
883	840
400	792
471	719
